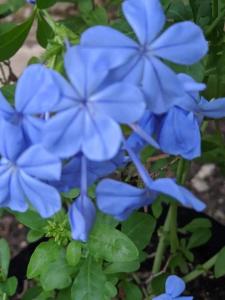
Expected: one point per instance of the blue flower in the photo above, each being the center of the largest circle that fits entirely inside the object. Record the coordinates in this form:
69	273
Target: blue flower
90	112
175	286
82	215
120	199
23	175
139	62
71	171
35	95
178	131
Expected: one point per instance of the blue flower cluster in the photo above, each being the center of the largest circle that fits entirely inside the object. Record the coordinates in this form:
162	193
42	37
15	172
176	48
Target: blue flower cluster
31	2
65	132
175	286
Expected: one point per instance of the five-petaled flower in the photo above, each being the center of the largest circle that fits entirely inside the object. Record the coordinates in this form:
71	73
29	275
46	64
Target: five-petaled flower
139	62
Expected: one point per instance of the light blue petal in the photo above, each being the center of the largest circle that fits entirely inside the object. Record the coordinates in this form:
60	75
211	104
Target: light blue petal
185	298
44	198
39	163
145	17
12	141
5	175
175	286
63	133
36	92
120	199
163	297
122	102
116	49
17	198
68	95
33	128
149	124
102	137
161	86
182	43
212	109
169	187
82	215
190	85
86	70
180	134
6	110
131	72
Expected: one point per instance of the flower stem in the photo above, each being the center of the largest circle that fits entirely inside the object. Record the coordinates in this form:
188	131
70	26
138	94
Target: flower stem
202	269
170	225
215	23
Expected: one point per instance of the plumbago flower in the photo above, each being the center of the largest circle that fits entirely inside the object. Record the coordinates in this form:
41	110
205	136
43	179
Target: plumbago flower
120	199
175	286
23	173
35	94
90	111
139	62
181	123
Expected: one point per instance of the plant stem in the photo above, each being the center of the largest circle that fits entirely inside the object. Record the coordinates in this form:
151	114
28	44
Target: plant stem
161	245
199	271
170	225
215	23
215	8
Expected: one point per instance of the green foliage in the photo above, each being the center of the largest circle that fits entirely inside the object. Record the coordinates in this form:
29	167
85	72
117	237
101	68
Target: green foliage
219	269
13	39
111	245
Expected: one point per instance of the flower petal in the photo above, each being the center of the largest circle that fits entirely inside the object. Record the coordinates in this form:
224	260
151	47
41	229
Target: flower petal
161	86
38	162
175	286
180	134
42	196
33	128
116	49
122	102
63	133
36	92
169	187
163	297
12	141
212	109
82	217
102	137
5	175
120	199
182	43
17	198
86	70
6	110
146	17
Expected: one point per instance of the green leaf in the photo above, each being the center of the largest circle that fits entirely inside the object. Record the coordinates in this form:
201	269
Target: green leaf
4	258
43	255
34	235
132	291
13	39
112	245
219	269
56	275
44	31
196	224
64	294
10	7
122	267
32	293
31	219
89	283
73	253
9	286
85	6
4	27
139	228
42	4
9	91
157	285
199	237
